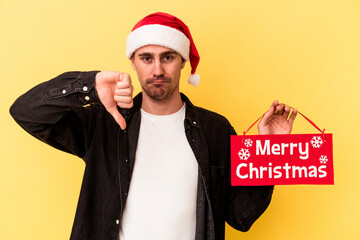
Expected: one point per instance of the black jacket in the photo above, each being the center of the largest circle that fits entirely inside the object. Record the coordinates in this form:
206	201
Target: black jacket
66	113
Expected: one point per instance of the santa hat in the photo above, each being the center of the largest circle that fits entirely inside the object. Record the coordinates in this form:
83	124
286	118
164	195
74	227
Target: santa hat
168	31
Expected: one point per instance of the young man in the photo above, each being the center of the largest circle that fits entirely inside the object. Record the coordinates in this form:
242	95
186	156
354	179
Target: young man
157	167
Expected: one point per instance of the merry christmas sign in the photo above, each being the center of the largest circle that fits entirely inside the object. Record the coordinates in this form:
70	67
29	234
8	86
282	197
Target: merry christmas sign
281	159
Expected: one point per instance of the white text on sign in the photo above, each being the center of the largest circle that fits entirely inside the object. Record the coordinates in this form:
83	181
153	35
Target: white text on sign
280	149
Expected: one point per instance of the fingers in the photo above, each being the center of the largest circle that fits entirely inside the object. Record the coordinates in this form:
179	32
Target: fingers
284	110
123	99
293	116
278	119
124	91
272	109
280	109
274	103
118	117
124	80
124	103
268	114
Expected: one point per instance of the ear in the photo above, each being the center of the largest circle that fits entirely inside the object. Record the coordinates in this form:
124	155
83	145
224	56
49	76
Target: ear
183	64
132	62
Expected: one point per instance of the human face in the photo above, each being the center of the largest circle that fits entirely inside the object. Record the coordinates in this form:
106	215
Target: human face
158	69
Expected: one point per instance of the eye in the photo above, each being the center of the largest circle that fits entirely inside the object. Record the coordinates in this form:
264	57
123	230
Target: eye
168	58
146	59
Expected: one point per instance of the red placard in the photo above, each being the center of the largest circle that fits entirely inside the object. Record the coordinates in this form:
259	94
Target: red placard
282	159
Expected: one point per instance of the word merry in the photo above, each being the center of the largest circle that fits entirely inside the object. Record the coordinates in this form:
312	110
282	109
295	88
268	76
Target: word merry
277	172
280	149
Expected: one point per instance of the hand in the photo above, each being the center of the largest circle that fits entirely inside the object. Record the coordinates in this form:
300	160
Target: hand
114	89
275	120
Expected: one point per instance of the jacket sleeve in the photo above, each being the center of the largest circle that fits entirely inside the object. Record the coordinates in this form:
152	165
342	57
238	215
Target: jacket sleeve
61	112
245	204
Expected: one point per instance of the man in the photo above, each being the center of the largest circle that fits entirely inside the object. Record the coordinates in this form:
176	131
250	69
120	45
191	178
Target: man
164	173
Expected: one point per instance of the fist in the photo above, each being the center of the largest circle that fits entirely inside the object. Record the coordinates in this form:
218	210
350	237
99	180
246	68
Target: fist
114	89
123	93
277	120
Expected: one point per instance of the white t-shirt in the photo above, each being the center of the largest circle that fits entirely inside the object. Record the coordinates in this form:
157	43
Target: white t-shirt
161	202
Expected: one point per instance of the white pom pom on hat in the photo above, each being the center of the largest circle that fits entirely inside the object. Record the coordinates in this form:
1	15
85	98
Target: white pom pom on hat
194	79
168	31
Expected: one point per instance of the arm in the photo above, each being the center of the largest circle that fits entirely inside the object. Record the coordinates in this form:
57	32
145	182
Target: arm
246	204
63	111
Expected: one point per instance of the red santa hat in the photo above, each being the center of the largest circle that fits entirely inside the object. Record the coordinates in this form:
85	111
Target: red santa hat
168	31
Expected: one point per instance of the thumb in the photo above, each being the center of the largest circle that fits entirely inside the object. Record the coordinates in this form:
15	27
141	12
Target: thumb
269	113
118	117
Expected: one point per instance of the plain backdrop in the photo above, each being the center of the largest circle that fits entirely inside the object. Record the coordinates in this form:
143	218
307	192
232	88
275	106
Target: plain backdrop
305	53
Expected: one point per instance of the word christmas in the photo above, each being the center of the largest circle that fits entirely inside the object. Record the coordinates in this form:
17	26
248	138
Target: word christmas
281	159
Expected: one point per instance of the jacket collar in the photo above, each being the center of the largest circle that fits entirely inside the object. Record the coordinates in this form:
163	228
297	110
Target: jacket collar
191	113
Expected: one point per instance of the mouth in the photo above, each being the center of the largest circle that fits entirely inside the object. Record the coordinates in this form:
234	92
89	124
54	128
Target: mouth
158	81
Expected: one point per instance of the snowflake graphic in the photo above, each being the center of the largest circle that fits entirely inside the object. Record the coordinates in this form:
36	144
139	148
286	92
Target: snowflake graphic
244	154
248	142
323	159
316	142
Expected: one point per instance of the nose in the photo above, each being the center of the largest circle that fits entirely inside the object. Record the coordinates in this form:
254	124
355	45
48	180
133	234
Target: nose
158	70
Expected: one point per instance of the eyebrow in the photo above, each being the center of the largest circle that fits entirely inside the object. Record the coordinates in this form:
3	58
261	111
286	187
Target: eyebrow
146	54
167	53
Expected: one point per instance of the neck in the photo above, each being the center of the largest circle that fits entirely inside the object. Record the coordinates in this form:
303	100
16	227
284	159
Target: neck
164	107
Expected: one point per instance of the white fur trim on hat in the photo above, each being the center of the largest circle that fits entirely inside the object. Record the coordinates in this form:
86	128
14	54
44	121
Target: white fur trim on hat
156	34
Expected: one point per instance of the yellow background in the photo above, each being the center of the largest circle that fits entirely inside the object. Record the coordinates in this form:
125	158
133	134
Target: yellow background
305	53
